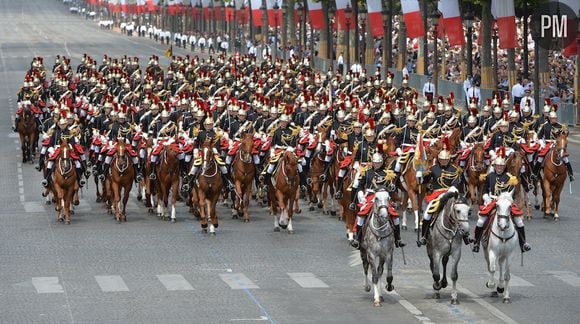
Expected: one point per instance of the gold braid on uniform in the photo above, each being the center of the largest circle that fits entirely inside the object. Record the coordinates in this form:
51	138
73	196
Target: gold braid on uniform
448	176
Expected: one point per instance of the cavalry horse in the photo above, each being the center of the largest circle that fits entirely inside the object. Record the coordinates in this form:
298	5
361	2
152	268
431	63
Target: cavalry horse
499	240
475	171
514	165
450	227
244	171
321	188
122	176
347	215
28	132
208	189
64	182
555	173
283	190
167	179
377	246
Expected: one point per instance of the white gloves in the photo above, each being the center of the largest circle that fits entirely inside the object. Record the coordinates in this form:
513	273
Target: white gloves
486	199
399	151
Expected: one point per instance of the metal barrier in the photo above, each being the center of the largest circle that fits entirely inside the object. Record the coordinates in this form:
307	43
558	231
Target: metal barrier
567	113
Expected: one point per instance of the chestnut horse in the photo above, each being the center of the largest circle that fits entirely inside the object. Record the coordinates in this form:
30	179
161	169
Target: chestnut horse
475	168
348	216
555	173
208	189
283	189
28	135
122	176
167	179
244	171
320	188
64	181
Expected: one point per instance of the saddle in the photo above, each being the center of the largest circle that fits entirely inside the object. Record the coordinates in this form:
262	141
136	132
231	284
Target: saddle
437	204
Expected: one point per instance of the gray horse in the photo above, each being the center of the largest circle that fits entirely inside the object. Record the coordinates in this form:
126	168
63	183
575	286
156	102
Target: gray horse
445	238
377	246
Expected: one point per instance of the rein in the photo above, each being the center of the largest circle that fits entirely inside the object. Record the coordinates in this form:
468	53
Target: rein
503	239
205	169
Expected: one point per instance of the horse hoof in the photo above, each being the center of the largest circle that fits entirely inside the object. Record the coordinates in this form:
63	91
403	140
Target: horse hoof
99	199
454	301
325	212
290	231
72	212
173	220
381	298
212	234
537	207
150	210
500	290
556	218
507	301
377	304
494	294
67	222
436	295
367	288
437	286
60	220
311	208
139	198
390	287
404	227
444	284
204	230
76	202
546	215
298	211
246	220
490	286
283	226
320	205
276	229
48	202
332	213
235	216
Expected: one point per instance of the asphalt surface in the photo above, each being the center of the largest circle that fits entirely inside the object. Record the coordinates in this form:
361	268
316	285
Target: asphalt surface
151	271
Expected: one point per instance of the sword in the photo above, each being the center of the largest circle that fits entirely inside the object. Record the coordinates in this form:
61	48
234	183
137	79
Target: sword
570	186
403	252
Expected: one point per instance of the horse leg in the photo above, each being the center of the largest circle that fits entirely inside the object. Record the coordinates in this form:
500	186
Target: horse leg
211	214
434	262
547	198
246	205
290	212
389	261
556	198
202	212
116	200
297	209
126	192
445	260
59	205
282	205
454	275
376	272
174	196
66	201
505	276
365	264
536	199
415	204
404	209
491	264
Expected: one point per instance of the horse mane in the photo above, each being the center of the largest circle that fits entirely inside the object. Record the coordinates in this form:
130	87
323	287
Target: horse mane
507	195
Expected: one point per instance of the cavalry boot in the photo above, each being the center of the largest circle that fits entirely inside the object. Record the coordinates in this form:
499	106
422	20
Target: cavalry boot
81	181
138	175
48	179
355	243
478	234
152	176
15	126
536	171
352	205
40	163
424	230
323	176
105	172
227	182
267	179
339	185
570	172
524	246
303	187
397	233
183	168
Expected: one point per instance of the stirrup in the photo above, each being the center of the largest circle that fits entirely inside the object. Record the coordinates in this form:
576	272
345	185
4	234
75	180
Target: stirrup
475	248
101	177
44	183
399	244
139	178
152	176
526	247
338	195
355	244
323	177
82	182
309	181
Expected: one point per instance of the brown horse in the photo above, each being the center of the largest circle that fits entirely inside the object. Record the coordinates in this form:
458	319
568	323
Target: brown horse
208	189
475	168
167	179
348	216
122	176
28	135
244	172
64	181
555	172
320	188
283	190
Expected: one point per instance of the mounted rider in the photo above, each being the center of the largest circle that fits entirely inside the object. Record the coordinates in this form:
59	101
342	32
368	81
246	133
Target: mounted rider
496	183
548	134
367	181
471	134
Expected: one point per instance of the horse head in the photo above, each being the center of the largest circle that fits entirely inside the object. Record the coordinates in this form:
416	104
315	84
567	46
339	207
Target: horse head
503	210
461	213
121	147
381	203
478	155
562	144
207	156
290	165
246	147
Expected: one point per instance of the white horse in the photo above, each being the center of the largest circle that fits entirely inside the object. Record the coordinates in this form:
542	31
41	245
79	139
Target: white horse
498	247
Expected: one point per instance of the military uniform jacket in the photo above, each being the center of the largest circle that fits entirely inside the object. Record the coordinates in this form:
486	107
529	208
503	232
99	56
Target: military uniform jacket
57	136
159	129
472	134
365	151
354	140
443	177
123	128
284	137
495	183
373	179
549	131
408	136
501	139
490	123
207	135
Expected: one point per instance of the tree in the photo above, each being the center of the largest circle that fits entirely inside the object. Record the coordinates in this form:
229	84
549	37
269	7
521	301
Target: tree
486	68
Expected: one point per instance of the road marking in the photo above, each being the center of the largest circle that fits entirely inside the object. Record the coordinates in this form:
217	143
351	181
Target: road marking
13	135
33	207
516	281
238	281
111	283
307	280
409	307
354	259
47	285
173	282
496	312
262	318
568	277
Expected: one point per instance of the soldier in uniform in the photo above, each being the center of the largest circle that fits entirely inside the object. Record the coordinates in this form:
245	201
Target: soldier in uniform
496	183
490	126
548	134
406	140
405	92
471	134
121	129
370	180
354	140
442	177
430	127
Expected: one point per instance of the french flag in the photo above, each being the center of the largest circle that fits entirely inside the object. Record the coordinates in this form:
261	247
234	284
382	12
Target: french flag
316	15
572	48
205	6
452	21
375	17
256	12
413	20
174	7
152	5
505	15
340	6
271	13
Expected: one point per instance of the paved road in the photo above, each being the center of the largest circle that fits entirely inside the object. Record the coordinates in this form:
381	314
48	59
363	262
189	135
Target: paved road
149	271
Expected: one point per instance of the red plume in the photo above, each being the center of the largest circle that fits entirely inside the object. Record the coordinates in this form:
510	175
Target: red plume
517	107
433	107
505	115
489	101
555	107
474	112
547	101
289	109
361	117
501	152
452	95
445	142
371	123
388	107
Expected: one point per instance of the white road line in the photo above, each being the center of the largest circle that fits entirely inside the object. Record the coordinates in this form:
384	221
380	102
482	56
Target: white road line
47	285
111	283
568	277
238	281
354	259
516	281
496	312
307	280
262	318
409	307
33	207
174	282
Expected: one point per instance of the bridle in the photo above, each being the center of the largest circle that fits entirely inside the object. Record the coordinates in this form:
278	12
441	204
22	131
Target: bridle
207	155
289	180
506	217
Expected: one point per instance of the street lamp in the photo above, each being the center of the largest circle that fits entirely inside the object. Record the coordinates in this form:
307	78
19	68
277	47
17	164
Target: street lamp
469	23
276	8
435	23
348	16
211	15
284	29
331	12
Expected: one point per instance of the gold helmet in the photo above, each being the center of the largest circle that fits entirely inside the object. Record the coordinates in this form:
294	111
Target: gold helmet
377	158
499	161
444	155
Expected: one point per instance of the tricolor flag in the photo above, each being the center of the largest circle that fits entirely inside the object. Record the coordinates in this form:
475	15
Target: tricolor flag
452	21
152	5
375	17
413	19
174	6
572	48
256	12
316	15
420	158
340	16
272	20
504	13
